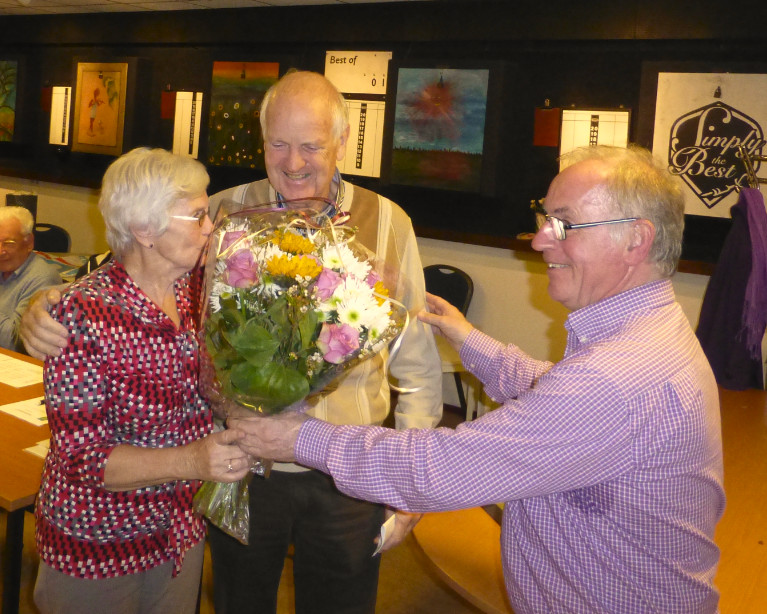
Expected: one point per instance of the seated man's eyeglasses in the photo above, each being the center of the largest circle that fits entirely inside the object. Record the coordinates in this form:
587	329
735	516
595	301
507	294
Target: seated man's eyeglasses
560	227
9	244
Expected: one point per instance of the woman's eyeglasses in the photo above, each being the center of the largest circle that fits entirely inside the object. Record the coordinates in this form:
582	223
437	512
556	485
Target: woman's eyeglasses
560	227
199	218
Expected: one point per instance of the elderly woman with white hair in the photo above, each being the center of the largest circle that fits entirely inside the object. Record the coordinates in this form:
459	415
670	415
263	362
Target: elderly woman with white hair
131	436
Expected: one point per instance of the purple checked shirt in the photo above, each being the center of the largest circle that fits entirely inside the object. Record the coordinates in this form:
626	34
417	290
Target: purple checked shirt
609	462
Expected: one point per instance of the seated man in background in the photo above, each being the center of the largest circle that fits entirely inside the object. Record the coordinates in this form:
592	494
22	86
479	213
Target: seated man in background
22	273
610	460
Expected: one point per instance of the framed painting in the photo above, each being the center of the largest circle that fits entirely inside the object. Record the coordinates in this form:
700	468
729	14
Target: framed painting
99	114
439	134
234	129
9	72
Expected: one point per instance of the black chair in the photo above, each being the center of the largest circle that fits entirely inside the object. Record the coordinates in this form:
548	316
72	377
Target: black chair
457	288
50	238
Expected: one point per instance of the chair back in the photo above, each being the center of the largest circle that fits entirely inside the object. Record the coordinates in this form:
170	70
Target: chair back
51	238
450	283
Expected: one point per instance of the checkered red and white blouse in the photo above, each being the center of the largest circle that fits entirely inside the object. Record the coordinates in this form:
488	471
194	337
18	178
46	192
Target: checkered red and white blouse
127	376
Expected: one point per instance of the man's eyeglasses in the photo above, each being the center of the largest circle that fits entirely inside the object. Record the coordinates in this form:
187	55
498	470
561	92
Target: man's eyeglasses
560	227
9	244
199	218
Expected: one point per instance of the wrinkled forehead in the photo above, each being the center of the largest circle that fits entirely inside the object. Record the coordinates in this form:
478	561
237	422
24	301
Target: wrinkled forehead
579	190
10	229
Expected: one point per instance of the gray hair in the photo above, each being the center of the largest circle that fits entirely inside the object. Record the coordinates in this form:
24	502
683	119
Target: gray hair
24	217
139	189
302	81
638	185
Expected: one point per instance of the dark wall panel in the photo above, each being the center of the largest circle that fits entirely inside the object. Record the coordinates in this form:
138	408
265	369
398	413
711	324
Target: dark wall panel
573	54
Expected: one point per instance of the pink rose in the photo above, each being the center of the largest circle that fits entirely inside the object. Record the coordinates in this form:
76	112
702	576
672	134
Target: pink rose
336	342
372	279
327	282
241	269
231	237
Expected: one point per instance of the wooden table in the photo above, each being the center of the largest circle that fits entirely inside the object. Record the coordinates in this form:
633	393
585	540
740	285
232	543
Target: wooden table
464	548
19	481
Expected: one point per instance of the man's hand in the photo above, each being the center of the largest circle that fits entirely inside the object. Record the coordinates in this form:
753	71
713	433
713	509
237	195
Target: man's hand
271	437
42	335
446	320
403	524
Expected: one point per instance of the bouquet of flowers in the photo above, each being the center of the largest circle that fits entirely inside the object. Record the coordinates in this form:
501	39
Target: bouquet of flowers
292	301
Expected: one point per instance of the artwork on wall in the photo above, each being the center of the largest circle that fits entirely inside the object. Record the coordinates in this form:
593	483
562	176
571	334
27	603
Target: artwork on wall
700	120
439	128
99	116
585	127
61	106
186	126
234	134
362	78
8	89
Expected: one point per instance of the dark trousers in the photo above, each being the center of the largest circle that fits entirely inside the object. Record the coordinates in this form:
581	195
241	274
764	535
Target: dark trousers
332	535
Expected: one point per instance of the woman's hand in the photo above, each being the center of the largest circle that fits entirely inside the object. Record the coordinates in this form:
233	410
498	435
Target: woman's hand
217	457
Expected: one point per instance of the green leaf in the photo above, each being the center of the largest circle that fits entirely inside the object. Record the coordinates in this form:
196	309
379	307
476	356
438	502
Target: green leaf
308	325
278	312
256	344
274	385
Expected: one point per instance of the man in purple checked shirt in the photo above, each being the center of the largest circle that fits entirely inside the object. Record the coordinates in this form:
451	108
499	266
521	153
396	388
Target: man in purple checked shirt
610	461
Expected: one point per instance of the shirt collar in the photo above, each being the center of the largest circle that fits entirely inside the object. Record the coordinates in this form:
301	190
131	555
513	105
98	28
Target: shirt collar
599	319
337	188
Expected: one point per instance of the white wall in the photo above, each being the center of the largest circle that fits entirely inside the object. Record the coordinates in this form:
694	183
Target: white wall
73	208
510	301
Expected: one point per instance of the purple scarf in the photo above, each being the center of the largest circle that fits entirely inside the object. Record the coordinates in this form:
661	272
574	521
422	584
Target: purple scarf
755	304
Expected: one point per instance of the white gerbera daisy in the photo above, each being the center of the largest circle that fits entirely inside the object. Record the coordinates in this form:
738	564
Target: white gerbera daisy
354	310
341	258
377	325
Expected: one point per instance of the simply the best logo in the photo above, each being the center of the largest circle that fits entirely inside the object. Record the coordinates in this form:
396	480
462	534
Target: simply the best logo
703	150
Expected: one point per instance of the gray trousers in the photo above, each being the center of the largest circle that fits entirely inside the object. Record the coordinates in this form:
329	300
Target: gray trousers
149	592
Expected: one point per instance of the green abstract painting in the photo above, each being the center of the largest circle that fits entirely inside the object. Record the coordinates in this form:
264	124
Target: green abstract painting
8	81
234	131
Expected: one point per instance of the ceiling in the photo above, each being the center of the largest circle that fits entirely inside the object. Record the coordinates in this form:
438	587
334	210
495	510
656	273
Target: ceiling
60	7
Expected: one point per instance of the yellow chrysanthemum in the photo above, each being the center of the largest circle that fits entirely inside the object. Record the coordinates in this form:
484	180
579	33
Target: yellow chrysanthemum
292	243
294	267
379	288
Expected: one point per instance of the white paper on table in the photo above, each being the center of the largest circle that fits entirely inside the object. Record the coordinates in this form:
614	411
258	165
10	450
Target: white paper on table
19	373
31	410
40	448
386	529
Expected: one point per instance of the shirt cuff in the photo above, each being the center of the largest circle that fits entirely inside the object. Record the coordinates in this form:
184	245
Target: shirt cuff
313	442
477	351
